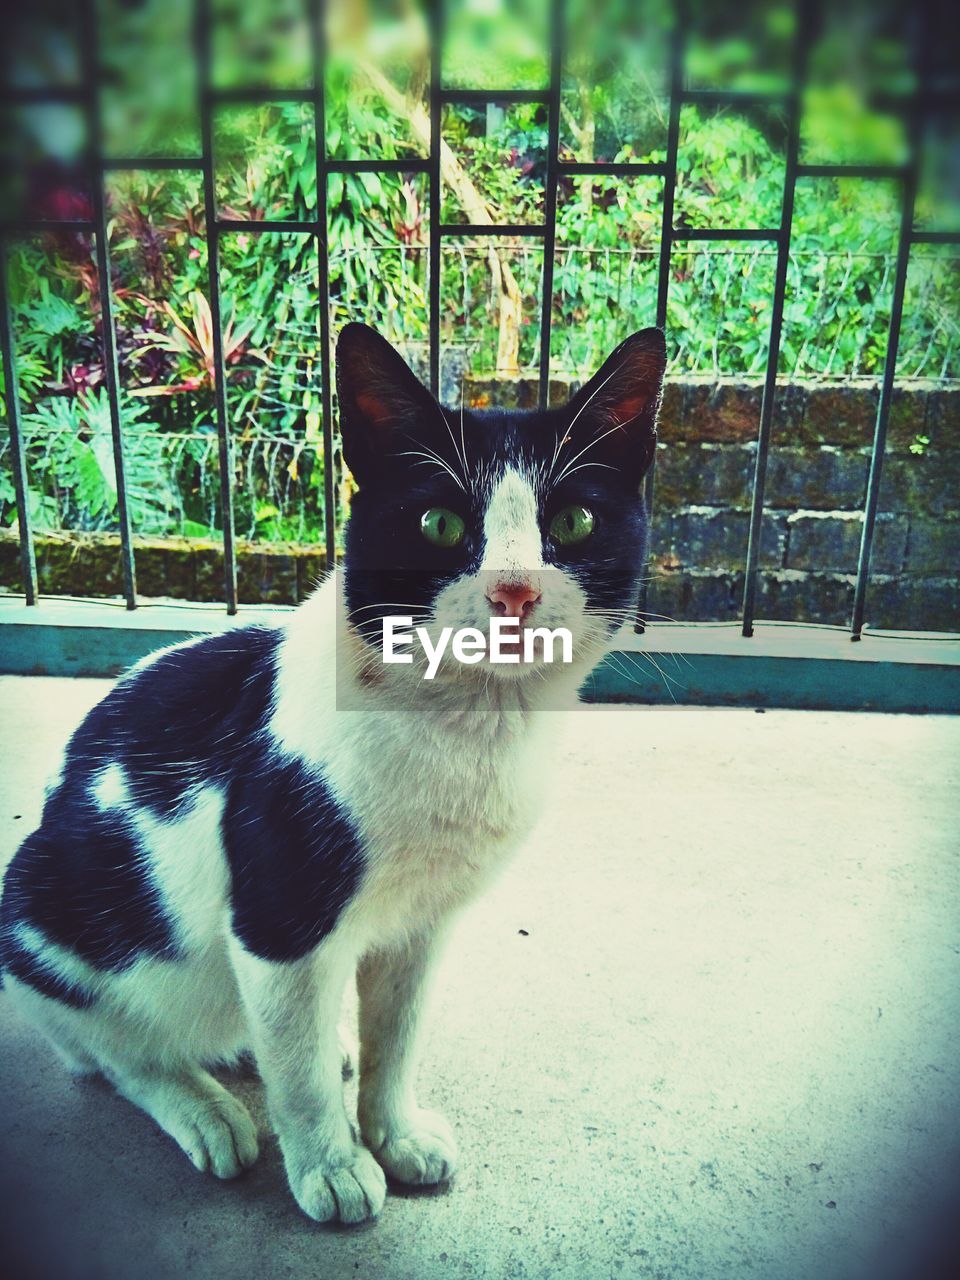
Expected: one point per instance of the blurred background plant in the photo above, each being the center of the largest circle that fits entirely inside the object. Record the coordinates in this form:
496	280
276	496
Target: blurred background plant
614	108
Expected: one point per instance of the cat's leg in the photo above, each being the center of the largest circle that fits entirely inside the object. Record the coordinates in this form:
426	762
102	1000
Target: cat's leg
413	1145
349	1049
69	1048
212	1126
76	1062
293	1008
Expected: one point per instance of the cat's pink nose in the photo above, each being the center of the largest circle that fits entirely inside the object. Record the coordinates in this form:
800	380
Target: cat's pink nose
513	601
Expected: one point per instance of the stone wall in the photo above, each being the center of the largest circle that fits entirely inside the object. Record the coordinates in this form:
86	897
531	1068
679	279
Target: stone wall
86	564
815	490
816	483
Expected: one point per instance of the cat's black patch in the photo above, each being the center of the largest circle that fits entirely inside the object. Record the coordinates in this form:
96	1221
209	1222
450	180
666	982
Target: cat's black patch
80	879
195	716
191	717
188	717
295	858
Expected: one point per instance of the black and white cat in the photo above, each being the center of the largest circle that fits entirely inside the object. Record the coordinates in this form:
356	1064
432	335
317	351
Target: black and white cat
247	820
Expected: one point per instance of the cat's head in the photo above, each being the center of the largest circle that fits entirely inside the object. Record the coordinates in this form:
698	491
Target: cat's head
463	515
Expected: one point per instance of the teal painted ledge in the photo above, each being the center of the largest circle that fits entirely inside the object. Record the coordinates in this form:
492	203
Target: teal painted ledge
99	638
793	665
782	665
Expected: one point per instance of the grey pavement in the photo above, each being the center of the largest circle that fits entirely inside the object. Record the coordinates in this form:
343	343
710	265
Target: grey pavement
706	1025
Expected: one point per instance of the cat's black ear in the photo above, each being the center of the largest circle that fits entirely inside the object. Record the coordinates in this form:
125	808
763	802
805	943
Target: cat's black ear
617	409
379	397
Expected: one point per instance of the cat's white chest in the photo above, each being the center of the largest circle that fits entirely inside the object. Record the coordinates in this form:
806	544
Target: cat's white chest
439	811
441	789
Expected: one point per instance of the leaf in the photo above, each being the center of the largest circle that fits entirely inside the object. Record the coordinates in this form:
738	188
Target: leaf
91	490
54	316
203	323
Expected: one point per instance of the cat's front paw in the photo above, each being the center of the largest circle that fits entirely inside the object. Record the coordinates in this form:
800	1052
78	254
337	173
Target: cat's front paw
350	1190
420	1151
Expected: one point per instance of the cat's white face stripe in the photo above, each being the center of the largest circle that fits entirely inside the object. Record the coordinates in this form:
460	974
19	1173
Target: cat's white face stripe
512	555
513	547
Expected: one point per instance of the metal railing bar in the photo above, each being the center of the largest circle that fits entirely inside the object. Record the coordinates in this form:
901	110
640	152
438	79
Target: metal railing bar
105	289
624	169
663	265
112	380
309	226
906	241
734	97
13	227
323	280
895	171
255	95
802	43
415	164
935	237
28	560
132	164
550	197
224	443
667	232
927	100
480	97
883	413
528	229
42	95
726	233
435	20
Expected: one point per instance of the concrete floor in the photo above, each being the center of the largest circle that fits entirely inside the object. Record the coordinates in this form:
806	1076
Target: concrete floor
705	1026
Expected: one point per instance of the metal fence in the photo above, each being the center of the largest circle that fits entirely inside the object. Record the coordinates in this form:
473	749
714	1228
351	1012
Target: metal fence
915	106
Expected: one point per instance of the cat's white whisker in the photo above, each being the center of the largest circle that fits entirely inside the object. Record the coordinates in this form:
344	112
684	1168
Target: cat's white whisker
463	442
428	456
572	471
461	459
592	396
586	449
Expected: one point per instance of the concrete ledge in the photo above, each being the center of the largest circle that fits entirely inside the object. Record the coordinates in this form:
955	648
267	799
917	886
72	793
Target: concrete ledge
101	638
788	666
782	665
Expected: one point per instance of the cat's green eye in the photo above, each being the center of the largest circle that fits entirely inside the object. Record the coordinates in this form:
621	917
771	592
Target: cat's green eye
571	525
442	527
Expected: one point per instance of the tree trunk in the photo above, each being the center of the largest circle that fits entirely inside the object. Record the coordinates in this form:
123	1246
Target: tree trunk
509	298
585	133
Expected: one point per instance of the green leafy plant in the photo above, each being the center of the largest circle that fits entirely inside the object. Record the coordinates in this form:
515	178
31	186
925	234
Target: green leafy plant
69	450
730	173
192	340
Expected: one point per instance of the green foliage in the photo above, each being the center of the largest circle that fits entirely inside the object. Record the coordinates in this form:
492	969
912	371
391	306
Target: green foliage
730	174
70	463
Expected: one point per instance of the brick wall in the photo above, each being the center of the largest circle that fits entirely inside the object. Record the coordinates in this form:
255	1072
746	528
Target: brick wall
816	482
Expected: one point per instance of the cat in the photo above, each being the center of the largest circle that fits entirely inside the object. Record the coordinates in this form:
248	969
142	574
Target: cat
249	820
